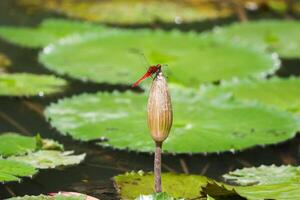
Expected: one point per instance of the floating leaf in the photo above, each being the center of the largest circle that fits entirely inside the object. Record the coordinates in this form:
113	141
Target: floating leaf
282	93
45	159
23	84
191	57
286	191
273	35
11	170
131	185
33	152
48	32
13	144
264	175
132	12
276	183
121	119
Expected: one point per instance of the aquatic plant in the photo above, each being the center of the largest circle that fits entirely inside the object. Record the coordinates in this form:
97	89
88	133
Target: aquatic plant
270	35
23	156
119	119
264	182
191	57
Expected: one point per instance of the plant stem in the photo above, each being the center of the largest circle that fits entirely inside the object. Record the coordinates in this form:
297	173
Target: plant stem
157	167
240	10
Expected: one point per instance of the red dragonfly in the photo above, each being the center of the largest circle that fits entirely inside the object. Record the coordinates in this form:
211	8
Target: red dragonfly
151	70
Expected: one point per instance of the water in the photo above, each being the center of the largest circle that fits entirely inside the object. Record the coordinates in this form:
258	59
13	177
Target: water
94	176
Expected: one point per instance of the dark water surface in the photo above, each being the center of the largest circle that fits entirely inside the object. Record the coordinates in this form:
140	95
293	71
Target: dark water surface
94	175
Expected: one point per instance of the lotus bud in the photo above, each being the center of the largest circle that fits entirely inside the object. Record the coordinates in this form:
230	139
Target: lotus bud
160	115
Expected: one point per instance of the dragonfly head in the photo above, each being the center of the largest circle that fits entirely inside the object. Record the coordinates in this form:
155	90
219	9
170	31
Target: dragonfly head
158	66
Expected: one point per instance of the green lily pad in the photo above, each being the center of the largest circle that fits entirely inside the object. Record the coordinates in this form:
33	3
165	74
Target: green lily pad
45	197
191	57
12	170
131	185
49	31
14	144
121	119
264	175
132	12
45	159
282	93
270	182
265	182
286	191
23	84
33	152
274	35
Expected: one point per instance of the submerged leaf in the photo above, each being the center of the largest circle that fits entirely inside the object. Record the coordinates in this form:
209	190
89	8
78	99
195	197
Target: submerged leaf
121	119
12	170
132	12
191	57
45	159
23	84
274	35
131	185
48	32
282	93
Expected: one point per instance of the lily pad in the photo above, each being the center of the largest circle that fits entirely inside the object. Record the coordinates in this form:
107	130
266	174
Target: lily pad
45	159
264	175
282	93
120	118
286	191
265	182
23	84
12	170
49	31
191	57
131	185
33	152
13	144
132	12
274	35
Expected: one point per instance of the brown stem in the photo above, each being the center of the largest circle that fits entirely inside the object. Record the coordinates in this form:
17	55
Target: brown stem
184	166
13	122
157	167
240	10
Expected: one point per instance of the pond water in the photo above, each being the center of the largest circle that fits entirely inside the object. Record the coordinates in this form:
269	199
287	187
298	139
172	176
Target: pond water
94	175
